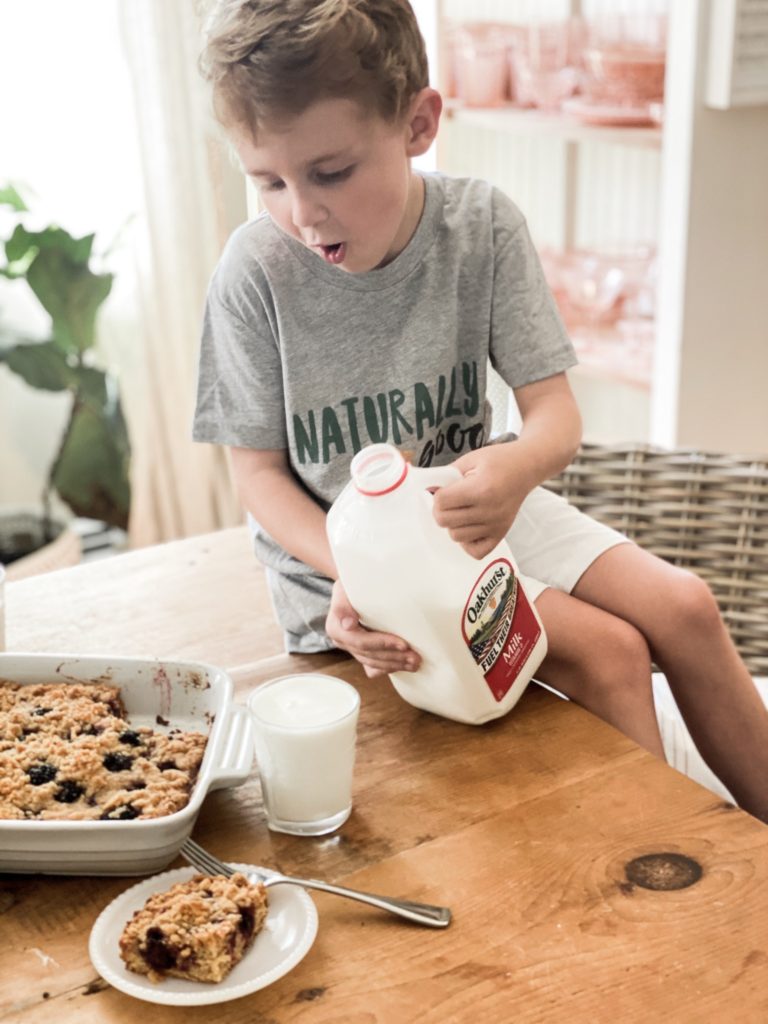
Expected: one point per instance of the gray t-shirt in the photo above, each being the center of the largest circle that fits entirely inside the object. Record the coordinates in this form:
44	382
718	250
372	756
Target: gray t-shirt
299	355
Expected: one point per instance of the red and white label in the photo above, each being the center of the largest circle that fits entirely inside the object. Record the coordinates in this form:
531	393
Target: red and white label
499	627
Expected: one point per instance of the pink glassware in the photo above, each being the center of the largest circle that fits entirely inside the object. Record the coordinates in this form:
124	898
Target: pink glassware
545	63
600	112
637	340
638	263
449	88
625	59
481	64
595	287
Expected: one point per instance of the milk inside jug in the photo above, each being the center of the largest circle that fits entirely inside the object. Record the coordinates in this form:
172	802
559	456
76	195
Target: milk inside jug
479	637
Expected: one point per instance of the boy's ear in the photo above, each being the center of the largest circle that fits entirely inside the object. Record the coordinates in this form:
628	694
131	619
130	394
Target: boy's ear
423	121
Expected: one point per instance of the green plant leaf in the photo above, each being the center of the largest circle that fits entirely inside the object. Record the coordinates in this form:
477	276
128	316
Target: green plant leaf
40	364
14	271
92	385
91	470
71	294
51	238
10	197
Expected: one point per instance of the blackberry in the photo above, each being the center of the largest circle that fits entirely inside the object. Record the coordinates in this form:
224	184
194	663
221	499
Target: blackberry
130	737
124	813
68	792
159	955
41	773
117	762
165	766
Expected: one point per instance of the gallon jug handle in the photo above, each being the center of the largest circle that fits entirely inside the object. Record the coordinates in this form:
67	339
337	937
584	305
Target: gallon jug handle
438	476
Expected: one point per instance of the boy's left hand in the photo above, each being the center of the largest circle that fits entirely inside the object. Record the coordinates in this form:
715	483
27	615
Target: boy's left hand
378	653
478	510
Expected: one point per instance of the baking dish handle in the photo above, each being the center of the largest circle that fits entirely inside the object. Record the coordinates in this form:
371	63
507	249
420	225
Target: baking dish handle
236	761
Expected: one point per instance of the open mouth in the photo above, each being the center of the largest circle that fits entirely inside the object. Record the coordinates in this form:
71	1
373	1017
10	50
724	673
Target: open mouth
334	253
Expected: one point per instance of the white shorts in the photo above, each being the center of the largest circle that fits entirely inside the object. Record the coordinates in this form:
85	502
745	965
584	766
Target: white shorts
554	543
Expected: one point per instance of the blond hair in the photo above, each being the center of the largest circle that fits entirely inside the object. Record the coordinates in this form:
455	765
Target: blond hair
269	59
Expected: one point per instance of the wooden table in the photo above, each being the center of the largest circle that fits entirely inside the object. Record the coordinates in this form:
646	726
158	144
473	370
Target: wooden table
525	827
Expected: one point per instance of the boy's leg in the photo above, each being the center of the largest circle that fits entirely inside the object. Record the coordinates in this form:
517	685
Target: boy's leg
678	616
600	662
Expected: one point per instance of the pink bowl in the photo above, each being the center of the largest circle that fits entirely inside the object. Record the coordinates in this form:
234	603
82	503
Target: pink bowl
625	58
595	287
624	75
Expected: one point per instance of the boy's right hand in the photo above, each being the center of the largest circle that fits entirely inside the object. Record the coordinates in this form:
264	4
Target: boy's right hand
378	653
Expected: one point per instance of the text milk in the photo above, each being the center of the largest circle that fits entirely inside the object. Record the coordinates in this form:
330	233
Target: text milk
479	637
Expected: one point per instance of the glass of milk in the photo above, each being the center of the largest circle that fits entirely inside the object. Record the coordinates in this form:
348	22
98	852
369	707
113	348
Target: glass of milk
305	728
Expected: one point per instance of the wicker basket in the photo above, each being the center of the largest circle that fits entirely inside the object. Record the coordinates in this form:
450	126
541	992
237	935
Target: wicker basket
699	510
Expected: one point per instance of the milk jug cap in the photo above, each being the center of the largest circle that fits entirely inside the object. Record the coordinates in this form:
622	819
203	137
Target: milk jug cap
378	469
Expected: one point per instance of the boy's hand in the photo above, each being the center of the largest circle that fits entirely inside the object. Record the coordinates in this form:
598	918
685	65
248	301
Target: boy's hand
478	510
378	653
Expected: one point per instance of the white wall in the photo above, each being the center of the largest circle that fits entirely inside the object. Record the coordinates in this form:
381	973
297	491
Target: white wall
724	365
713	374
722	400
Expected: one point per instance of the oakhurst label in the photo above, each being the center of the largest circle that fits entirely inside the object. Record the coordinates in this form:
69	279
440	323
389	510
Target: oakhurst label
499	627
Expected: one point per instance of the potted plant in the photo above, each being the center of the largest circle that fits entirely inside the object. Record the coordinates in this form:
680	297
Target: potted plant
90	468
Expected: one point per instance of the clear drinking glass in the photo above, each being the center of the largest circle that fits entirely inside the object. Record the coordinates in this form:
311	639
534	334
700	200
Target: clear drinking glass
481	64
305	730
545	62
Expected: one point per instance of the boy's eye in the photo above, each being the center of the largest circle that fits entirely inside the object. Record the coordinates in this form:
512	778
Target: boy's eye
333	177
267	185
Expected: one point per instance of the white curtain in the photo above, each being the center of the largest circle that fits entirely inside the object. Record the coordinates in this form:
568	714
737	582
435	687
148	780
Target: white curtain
194	197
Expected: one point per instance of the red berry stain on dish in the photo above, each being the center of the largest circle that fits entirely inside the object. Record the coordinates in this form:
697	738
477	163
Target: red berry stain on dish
163	683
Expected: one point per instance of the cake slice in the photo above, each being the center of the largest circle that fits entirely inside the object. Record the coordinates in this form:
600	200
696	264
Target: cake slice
197	929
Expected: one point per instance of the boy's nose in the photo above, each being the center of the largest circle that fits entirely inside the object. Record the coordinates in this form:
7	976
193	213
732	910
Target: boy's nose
306	211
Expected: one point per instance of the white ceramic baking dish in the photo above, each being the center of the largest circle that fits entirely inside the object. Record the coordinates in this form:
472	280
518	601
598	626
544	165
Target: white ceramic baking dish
164	695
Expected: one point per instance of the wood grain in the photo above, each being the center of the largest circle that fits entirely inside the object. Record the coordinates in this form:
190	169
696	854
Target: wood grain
524	826
204	598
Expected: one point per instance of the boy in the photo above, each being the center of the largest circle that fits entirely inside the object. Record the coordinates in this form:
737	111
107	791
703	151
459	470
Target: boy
363	306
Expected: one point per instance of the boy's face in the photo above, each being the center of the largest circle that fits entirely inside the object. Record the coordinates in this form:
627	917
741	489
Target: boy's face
339	180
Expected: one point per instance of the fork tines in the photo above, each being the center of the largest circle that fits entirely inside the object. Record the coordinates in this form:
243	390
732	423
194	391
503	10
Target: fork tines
202	860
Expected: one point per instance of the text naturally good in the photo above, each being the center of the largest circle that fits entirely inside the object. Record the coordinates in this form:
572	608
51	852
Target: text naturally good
380	417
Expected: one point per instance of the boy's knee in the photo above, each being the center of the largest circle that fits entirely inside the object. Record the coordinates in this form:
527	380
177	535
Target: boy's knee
689	606
614	659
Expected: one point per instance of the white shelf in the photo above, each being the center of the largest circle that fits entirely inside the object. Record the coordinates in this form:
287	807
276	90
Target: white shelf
530	121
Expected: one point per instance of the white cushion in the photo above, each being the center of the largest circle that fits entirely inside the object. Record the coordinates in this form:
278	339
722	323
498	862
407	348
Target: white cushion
678	745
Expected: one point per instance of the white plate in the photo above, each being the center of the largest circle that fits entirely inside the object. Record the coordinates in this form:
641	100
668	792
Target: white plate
286	937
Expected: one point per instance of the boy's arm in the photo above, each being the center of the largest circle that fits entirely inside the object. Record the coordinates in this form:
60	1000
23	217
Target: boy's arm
269	490
479	510
272	494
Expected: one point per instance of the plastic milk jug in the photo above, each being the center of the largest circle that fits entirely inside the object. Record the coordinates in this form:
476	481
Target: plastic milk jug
479	637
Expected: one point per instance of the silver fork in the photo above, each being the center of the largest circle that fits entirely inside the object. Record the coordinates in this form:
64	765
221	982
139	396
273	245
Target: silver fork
420	913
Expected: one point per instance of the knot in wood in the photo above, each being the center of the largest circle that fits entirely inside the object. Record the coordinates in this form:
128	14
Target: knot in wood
663	871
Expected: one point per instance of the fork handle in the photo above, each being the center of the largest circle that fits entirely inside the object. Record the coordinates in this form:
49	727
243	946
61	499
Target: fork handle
419	913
